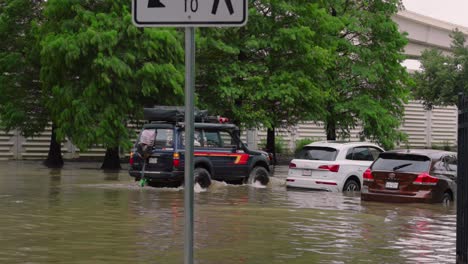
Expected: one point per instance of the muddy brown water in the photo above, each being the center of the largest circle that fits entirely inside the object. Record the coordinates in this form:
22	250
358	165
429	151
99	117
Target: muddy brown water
81	214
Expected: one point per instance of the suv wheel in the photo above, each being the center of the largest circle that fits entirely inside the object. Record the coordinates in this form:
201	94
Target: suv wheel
202	177
447	199
351	186
259	174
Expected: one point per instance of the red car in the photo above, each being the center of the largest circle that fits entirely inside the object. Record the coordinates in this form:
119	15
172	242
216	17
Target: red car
413	175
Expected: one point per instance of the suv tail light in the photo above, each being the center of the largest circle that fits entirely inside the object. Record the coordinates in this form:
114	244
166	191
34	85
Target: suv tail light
425	179
176	159
131	161
367	176
332	168
292	165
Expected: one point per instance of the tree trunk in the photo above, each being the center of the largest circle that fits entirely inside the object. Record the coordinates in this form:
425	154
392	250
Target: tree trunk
111	160
330	123
331	130
270	146
54	158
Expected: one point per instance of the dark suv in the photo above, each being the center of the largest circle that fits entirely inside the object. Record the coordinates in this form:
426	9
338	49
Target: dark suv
413	175
219	154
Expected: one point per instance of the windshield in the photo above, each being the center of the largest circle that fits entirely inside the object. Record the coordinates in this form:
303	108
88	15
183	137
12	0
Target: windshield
317	153
402	163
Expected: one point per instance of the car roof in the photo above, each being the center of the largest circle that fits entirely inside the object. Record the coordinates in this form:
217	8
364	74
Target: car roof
340	144
434	154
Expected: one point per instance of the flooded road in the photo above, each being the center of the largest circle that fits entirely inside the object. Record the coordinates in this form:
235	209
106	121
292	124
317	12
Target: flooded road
80	214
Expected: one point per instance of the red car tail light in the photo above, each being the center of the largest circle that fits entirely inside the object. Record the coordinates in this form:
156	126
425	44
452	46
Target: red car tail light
332	168
425	179
131	161
292	165
367	176
176	159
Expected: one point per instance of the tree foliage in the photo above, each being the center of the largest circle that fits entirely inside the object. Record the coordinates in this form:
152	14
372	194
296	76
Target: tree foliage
442	77
270	72
21	97
101	69
333	61
368	85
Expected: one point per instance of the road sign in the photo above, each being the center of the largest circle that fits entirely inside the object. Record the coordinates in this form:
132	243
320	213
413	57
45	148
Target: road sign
189	13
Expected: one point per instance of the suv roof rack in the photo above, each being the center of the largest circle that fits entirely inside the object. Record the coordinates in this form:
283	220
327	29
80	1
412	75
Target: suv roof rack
175	114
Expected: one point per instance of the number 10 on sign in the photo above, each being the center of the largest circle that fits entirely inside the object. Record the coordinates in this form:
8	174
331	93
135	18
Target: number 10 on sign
193	5
183	13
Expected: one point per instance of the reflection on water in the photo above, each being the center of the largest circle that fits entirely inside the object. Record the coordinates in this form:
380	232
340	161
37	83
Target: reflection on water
80	214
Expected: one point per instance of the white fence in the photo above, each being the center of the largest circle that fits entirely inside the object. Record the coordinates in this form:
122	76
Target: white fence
425	129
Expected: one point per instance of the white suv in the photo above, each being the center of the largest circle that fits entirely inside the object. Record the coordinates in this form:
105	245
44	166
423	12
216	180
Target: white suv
331	165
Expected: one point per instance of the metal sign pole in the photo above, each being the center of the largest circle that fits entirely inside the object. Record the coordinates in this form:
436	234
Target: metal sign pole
189	130
462	182
189	14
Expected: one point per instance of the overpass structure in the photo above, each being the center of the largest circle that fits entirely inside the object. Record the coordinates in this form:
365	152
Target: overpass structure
425	32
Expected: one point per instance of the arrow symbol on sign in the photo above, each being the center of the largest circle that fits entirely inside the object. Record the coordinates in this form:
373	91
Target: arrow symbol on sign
155	3
228	4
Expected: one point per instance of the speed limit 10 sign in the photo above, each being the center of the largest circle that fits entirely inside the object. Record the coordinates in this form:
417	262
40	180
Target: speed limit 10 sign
189	13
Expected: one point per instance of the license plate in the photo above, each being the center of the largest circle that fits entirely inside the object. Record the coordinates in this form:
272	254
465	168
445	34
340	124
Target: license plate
391	185
153	160
306	173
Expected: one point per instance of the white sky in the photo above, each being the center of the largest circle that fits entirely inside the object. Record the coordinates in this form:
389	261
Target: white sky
453	11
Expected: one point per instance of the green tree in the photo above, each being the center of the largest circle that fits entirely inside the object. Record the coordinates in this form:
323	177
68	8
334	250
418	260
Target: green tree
22	100
368	86
101	70
271	72
442	77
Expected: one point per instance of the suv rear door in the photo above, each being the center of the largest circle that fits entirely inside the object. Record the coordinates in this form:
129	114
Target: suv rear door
161	158
397	172
310	158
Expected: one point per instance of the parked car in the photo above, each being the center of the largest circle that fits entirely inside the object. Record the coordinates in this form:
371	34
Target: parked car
331	165
413	175
219	154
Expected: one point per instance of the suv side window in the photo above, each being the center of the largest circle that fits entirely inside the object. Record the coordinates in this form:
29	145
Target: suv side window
212	139
450	163
440	165
197	138
227	141
360	153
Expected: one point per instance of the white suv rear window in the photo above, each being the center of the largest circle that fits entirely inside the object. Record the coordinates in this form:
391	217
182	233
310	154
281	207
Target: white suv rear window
317	153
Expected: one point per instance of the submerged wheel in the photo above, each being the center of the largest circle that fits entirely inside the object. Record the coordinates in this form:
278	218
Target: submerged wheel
447	199
259	174
202	177
351	186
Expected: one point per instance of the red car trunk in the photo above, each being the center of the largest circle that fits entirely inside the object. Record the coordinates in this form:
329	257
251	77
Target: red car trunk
403	183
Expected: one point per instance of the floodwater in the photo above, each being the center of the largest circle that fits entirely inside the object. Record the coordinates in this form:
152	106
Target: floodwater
81	214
